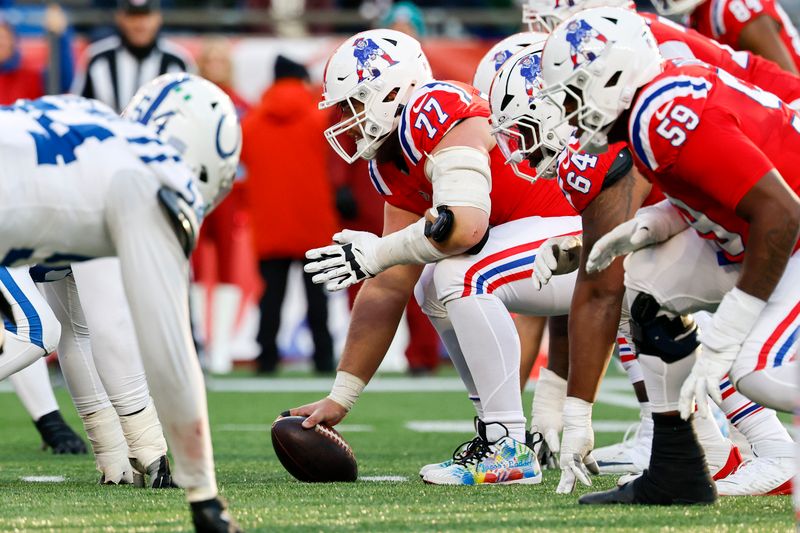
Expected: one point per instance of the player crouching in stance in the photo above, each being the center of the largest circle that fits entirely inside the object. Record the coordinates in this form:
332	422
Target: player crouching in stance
684	120
80	182
435	163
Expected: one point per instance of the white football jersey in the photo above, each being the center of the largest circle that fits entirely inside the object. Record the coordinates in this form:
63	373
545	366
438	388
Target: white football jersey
60	155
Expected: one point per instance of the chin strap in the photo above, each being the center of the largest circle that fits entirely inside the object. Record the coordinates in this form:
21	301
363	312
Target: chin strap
183	218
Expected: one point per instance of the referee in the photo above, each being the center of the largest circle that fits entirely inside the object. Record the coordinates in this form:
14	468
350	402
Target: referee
118	65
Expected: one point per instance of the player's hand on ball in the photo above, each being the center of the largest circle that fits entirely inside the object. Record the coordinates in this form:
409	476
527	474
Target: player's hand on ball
557	256
577	442
346	263
324	411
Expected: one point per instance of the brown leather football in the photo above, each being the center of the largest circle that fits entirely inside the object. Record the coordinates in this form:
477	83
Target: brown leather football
317	455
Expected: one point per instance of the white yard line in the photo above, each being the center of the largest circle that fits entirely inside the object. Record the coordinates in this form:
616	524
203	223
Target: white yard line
342	428
465	426
383	478
43	479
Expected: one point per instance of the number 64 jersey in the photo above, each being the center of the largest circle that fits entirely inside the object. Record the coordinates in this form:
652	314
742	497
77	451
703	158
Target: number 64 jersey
706	138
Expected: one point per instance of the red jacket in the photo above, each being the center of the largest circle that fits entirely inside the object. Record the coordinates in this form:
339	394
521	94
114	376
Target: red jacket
288	189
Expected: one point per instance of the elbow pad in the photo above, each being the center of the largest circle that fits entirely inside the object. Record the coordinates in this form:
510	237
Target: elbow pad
460	177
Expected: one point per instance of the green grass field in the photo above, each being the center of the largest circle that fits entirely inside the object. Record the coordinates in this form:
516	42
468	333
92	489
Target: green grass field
263	497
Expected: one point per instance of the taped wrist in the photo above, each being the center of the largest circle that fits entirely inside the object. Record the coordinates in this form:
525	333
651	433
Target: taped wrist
407	246
666	219
577	412
346	389
461	177
551	389
735	317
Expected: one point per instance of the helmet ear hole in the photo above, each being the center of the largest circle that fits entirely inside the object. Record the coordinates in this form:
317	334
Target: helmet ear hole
392	95
203	174
614	79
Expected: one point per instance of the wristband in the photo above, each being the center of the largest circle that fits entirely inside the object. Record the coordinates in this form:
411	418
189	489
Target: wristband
346	389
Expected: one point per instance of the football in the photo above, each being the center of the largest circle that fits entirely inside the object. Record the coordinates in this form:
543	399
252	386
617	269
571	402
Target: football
317	455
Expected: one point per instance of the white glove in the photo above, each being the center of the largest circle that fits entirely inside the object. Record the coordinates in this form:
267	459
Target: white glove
546	412
651	225
735	317
557	256
341	265
576	459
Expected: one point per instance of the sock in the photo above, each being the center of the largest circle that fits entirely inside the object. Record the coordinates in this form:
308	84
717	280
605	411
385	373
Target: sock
108	444
757	423
491	349
144	436
444	327
677	471
627	357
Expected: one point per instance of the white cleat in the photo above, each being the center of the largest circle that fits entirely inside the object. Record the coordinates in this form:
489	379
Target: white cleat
722	459
632	455
769	473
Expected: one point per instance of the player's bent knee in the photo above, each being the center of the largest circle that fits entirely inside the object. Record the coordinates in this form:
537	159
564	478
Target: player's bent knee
448	279
51	330
671	338
425	294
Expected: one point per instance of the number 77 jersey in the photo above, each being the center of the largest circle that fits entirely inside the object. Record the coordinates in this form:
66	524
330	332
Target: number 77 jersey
706	138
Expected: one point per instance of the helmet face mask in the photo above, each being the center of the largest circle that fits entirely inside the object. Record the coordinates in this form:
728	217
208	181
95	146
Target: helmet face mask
370	77
592	66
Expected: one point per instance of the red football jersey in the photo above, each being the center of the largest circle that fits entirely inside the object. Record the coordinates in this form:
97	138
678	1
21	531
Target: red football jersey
431	112
706	138
724	20
676	41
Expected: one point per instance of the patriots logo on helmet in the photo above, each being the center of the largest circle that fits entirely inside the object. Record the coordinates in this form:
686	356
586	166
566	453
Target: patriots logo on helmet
580	34
500	58
530	69
367	52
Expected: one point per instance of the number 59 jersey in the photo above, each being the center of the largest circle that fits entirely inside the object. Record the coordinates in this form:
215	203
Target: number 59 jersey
60	157
431	112
706	138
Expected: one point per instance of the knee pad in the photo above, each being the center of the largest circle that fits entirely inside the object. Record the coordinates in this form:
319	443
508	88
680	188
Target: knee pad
670	338
425	294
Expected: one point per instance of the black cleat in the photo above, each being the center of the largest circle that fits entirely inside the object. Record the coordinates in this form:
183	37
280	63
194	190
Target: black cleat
56	434
623	494
160	474
211	516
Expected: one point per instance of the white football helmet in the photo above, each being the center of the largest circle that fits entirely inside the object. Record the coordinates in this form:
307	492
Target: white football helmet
545	15
593	64
370	77
500	53
199	120
520	120
669	8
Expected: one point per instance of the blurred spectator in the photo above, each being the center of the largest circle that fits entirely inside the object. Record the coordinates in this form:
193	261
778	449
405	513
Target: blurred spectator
290	200
118	65
405	17
18	80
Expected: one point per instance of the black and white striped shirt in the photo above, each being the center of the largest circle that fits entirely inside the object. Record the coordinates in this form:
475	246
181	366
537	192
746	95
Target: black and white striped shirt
113	74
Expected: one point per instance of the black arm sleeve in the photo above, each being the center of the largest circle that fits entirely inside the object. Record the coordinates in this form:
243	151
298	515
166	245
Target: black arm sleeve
622	164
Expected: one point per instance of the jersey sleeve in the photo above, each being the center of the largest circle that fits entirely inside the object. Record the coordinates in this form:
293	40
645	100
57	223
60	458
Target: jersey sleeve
706	163
665	116
394	191
582	176
431	112
729	17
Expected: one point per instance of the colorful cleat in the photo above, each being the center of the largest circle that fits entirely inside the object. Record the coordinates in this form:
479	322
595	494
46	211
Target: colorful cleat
502	462
462	451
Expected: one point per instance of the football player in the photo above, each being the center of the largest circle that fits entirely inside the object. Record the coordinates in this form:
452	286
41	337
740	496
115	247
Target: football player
80	182
683	121
585	178
433	160
758	26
